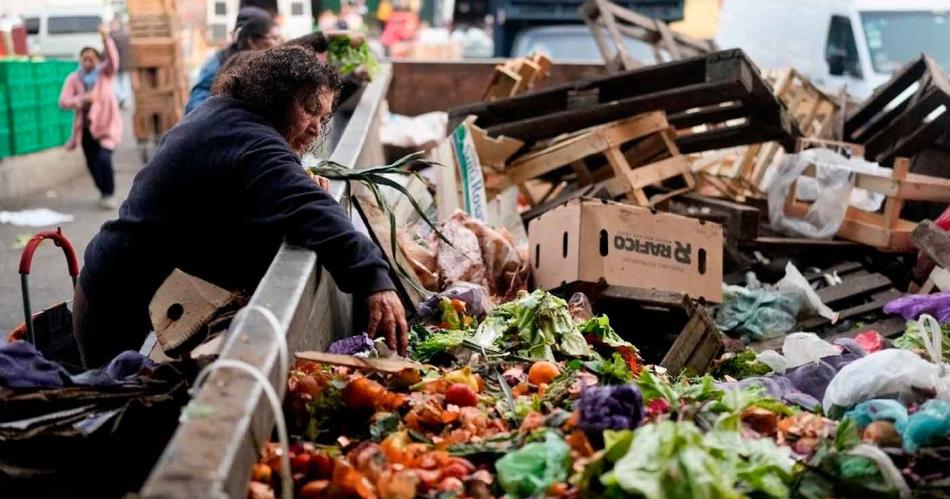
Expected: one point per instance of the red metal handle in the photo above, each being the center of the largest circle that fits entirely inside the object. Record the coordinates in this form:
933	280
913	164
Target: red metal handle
59	239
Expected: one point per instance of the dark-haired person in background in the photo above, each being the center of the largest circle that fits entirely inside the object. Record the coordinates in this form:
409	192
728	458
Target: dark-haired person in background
90	91
255	29
224	188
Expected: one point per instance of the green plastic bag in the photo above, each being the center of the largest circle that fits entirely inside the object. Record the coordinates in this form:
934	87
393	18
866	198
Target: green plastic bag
535	467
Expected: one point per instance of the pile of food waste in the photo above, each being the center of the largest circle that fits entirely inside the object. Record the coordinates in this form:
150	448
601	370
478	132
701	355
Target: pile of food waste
537	397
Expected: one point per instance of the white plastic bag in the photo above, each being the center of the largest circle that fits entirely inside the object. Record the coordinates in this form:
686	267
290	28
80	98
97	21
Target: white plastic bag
804	348
885	374
825	215
796	282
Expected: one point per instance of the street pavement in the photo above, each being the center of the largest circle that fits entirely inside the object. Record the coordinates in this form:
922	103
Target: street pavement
49	279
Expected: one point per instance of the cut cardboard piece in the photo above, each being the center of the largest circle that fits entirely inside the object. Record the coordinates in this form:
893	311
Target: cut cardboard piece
182	307
386	365
587	240
468	156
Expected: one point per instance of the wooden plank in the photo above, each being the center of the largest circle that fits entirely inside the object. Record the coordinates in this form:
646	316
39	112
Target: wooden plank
687	339
653	297
655	173
879	300
853	287
934	241
363	364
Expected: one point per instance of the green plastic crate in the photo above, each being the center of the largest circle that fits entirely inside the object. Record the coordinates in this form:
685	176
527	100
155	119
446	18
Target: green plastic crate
25	140
48	93
50	136
26	117
65	131
5	149
14	71
21	95
45	70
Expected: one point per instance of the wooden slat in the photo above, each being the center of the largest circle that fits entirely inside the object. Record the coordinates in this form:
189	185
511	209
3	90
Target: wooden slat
858	286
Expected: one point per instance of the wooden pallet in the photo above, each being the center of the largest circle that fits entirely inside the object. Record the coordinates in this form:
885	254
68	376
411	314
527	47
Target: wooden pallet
639	152
889	131
854	293
886	230
610	23
517	76
690	91
158	75
668	328
737	173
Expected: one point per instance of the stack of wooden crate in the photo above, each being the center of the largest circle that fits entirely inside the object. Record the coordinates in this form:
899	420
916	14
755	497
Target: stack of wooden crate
158	76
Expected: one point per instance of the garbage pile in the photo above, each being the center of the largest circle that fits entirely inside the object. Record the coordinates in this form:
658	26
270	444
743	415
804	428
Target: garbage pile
667	282
538	398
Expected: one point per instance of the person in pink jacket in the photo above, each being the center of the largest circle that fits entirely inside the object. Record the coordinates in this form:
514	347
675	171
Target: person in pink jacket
90	91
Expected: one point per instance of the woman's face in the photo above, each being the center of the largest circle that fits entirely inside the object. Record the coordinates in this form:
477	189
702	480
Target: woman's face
272	39
88	59
308	121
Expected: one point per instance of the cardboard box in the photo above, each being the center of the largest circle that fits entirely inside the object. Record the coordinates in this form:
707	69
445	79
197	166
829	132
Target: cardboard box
587	240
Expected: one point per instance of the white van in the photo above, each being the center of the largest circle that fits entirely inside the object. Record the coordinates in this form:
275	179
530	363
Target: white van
295	16
836	43
61	33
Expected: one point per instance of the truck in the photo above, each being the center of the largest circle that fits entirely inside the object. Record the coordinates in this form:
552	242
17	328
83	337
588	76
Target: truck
511	17
852	44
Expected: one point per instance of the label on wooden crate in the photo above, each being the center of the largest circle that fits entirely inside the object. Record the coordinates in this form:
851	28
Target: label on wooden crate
592	240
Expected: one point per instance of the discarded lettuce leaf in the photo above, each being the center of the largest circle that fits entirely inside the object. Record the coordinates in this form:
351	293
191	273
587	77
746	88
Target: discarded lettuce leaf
674	459
534	326
599	327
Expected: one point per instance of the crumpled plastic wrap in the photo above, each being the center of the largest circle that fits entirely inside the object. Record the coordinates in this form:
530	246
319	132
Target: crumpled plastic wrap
530	470
911	307
831	190
479	254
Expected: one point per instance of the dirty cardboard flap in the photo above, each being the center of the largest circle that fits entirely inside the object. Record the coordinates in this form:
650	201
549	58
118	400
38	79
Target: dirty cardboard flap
587	240
196	301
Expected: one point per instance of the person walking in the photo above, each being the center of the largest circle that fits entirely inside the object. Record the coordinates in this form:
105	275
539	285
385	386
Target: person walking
97	126
123	42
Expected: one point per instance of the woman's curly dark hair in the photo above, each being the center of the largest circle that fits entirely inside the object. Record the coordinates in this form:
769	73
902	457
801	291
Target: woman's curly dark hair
270	82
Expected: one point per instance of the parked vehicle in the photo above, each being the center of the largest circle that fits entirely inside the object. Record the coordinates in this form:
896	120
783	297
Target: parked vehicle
853	43
60	33
514	16
295	16
572	43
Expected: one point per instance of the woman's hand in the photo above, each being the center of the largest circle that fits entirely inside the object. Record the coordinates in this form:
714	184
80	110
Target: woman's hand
387	315
322	182
104	31
89	98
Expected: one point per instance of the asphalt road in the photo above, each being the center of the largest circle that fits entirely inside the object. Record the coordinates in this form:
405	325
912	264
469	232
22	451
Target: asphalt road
49	279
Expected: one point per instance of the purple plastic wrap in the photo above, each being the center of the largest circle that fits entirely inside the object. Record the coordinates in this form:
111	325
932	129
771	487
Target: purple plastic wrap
910	307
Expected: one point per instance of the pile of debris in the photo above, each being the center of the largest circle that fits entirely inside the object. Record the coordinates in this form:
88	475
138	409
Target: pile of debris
691	268
725	290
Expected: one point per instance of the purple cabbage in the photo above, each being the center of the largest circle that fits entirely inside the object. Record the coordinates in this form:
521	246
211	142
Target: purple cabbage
352	345
618	407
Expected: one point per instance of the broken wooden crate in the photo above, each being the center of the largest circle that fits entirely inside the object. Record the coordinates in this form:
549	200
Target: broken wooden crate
856	295
668	328
935	243
638	151
610	23
517	76
885	230
899	121
738	173
722	91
